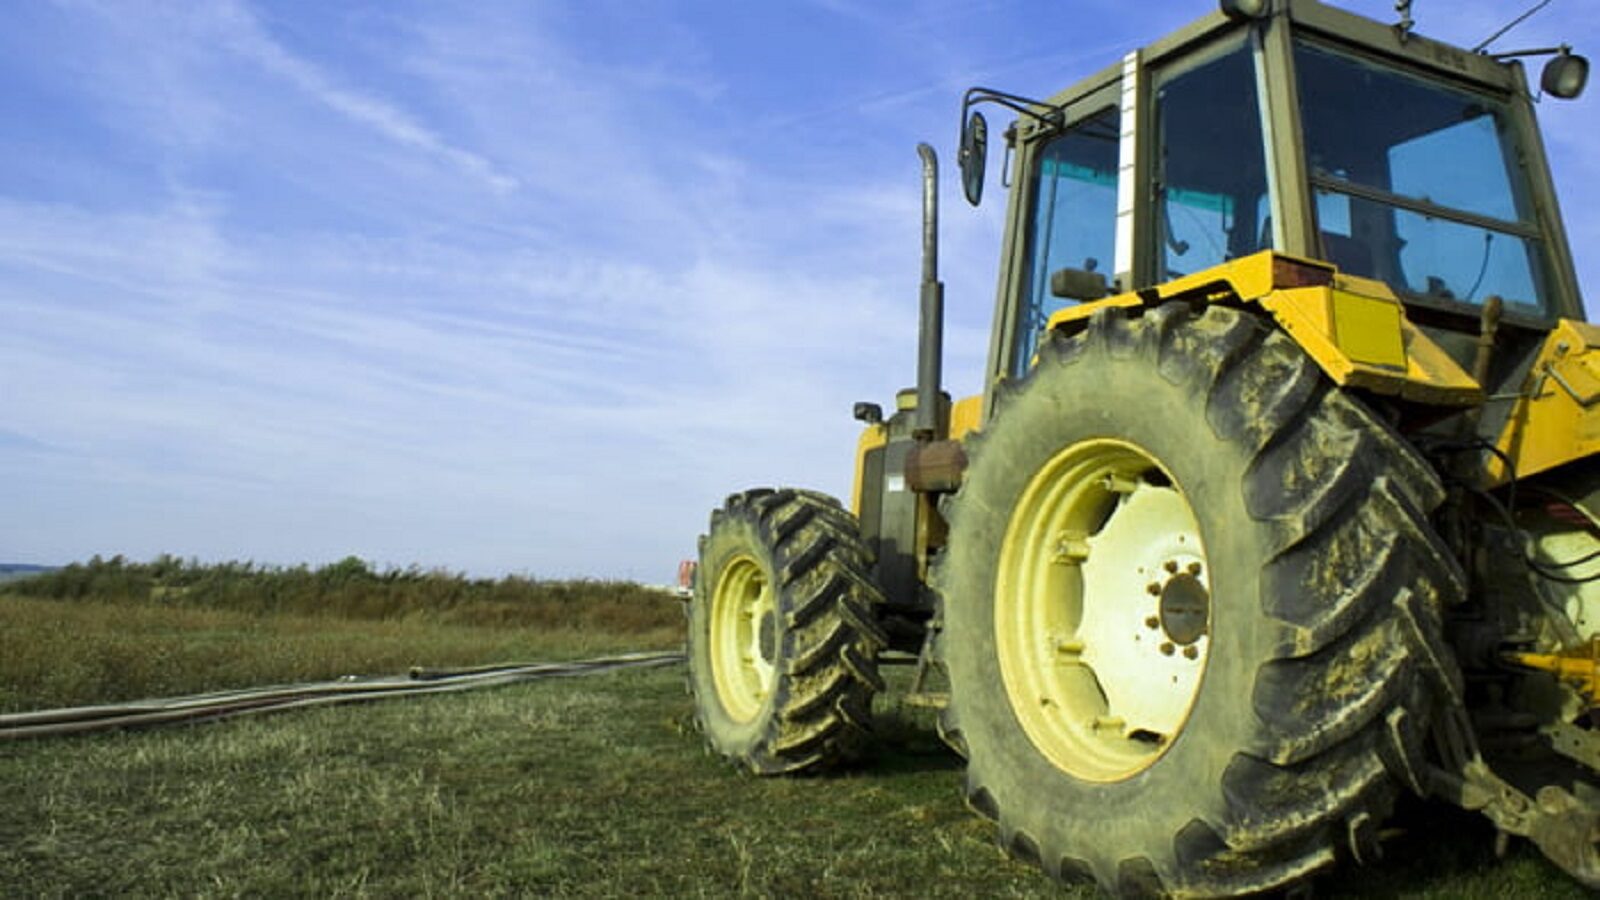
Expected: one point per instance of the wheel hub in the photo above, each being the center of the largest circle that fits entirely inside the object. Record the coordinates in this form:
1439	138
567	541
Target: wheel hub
1102	610
744	637
1185	609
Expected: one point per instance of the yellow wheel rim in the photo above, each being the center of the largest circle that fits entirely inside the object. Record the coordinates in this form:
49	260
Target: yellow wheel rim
1102	610
743	637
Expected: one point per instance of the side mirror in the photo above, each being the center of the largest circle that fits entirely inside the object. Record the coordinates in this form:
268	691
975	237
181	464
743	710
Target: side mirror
974	156
1565	75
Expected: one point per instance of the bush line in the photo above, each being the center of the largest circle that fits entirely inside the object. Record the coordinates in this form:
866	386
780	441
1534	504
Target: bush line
353	589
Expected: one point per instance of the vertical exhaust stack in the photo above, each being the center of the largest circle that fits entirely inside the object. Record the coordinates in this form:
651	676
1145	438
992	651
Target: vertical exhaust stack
932	464
930	331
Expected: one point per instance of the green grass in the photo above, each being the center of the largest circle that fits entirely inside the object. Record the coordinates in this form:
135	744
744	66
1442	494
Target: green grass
115	631
590	787
571	787
587	787
67	654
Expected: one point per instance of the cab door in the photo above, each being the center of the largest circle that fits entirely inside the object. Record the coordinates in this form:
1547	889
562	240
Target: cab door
1062	213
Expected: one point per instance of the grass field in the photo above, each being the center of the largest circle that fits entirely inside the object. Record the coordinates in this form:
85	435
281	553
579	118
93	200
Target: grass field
111	630
584	787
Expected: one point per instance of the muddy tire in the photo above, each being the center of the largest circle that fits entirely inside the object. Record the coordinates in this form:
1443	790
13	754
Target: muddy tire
783	638
1185	598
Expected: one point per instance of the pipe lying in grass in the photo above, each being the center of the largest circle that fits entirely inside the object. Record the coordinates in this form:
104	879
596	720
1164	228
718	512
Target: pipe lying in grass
226	704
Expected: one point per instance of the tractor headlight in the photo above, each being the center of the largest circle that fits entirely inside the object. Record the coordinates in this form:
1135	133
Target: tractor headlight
1565	75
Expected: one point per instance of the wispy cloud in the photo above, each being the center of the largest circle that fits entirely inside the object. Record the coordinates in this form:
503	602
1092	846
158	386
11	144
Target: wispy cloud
493	286
243	33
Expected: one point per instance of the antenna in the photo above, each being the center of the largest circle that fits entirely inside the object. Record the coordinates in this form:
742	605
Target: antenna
1406	23
1510	25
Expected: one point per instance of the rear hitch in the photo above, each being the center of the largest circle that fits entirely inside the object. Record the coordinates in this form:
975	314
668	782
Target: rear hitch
1564	825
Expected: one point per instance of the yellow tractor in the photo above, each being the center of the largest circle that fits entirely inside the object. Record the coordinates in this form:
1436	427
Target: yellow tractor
1280	502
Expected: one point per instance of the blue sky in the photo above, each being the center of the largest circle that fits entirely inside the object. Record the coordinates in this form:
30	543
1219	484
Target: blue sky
504	286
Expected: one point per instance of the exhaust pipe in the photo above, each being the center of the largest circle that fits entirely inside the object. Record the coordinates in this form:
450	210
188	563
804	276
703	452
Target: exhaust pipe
932	465
930	329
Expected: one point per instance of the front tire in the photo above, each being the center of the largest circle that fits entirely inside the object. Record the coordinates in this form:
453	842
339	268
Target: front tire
1181	598
783	638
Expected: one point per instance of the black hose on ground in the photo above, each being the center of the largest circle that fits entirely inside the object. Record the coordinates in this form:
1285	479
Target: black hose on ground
227	704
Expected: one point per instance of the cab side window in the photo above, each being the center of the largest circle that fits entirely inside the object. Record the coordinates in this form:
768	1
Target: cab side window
1073	224
1212	169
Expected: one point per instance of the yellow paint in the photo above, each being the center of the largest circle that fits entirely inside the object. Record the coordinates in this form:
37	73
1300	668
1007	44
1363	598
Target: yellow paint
1069	675
1307	315
1578	666
1367	329
741	598
872	437
965	416
1355	329
1557	418
1357	332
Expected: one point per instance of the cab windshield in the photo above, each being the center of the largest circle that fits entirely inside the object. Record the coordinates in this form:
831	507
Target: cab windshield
1417	185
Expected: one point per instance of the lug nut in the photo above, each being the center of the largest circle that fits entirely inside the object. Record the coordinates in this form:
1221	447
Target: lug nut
1153	588
1168	648
1172	566
1152	622
1190	652
1194	569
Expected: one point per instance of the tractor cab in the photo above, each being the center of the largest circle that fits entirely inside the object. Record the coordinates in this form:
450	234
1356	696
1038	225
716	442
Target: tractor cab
1298	128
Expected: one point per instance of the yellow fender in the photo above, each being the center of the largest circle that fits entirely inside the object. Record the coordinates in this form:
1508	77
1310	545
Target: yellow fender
1557	415
1354	328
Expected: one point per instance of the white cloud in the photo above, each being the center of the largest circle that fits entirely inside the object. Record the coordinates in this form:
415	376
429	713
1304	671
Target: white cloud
242	33
486	300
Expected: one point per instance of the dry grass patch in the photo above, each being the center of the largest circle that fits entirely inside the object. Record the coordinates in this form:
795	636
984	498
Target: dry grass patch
111	631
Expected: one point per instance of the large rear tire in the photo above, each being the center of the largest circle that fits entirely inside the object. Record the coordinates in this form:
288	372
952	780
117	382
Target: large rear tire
1184	595
783	638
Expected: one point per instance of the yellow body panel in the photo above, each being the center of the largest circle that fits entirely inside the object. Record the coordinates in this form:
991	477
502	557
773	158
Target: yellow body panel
872	437
1368	329
1354	328
965	416
1557	418
1357	331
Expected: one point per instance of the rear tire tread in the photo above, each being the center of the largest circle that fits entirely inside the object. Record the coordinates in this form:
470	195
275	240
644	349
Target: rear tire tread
1345	669
826	666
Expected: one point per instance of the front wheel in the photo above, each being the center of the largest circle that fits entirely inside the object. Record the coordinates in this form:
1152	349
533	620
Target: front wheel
783	638
1176	595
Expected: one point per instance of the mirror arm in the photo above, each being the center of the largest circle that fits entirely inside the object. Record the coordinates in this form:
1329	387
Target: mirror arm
1053	118
973	137
1540	51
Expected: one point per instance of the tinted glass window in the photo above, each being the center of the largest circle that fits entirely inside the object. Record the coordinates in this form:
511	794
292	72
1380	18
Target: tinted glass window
1074	219
1212	166
1416	182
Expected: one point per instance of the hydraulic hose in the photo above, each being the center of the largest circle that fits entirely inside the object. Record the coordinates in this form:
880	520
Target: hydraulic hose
227	704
